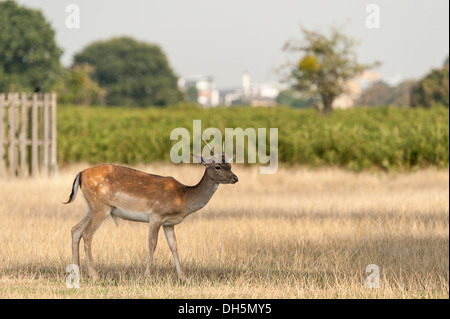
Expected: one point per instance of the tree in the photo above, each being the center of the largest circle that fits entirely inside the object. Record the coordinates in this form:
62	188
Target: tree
132	73
381	93
192	94
29	57
432	89
327	63
401	94
77	87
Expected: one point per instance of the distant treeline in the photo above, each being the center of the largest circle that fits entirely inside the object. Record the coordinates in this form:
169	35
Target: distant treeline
362	138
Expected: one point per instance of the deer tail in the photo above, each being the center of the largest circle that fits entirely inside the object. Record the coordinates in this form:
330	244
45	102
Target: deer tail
76	184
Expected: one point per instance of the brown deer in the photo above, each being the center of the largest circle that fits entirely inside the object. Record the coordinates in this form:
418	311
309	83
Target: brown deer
118	191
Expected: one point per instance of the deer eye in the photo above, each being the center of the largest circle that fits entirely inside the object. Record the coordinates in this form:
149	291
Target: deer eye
218	167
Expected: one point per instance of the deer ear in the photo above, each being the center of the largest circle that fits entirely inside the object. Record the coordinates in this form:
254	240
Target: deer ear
198	159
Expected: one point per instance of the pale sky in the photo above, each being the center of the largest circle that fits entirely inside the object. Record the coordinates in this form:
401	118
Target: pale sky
226	38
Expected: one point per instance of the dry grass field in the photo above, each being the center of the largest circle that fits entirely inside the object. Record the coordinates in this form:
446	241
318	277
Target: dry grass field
296	234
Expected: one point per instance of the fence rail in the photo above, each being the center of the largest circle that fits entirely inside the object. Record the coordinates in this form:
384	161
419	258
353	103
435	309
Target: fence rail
27	134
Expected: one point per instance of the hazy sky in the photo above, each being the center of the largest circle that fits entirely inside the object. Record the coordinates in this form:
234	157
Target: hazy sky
225	38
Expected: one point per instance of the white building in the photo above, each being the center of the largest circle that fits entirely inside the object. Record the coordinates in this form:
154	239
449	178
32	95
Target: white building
255	94
207	94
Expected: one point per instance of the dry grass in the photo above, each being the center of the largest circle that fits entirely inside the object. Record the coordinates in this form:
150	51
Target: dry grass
296	234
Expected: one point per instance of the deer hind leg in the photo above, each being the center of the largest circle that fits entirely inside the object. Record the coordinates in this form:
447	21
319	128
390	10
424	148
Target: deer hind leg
77	231
98	215
154	226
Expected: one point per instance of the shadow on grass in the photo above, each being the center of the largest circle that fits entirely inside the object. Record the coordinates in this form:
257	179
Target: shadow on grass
162	274
405	261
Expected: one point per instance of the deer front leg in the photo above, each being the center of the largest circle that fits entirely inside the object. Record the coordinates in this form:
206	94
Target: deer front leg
152	241
171	239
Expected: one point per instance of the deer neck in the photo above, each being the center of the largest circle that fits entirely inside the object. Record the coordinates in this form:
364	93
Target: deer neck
200	194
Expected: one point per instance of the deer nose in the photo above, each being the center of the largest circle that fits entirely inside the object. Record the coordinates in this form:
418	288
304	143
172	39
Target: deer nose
234	179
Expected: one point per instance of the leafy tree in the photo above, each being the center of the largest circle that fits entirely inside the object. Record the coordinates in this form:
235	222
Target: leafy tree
401	94
192	94
133	73
378	93
77	87
432	89
381	93
29	56
327	63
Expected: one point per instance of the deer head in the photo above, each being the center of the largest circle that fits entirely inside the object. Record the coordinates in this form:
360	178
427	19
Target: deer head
218	167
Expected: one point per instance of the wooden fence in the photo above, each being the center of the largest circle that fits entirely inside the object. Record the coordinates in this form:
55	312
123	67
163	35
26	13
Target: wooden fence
27	135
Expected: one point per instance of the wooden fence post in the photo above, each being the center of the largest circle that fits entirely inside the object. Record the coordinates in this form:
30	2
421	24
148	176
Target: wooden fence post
11	133
2	135
34	136
46	134
28	125
53	153
23	136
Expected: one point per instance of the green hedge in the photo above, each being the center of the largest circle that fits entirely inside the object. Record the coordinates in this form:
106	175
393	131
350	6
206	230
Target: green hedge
360	138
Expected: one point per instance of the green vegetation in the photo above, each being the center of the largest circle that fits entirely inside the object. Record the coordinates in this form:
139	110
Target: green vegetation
327	63
118	71
381	93
432	89
292	99
357	139
77	87
132	73
29	56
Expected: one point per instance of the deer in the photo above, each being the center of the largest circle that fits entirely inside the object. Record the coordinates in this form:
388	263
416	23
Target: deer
130	194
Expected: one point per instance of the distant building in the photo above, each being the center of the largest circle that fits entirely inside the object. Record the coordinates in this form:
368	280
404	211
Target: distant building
355	88
254	94
207	94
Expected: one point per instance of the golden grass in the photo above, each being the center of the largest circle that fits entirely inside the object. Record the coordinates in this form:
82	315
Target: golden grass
296	234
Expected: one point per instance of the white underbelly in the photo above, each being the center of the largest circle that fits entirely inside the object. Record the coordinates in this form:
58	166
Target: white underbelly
131	215
172	221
